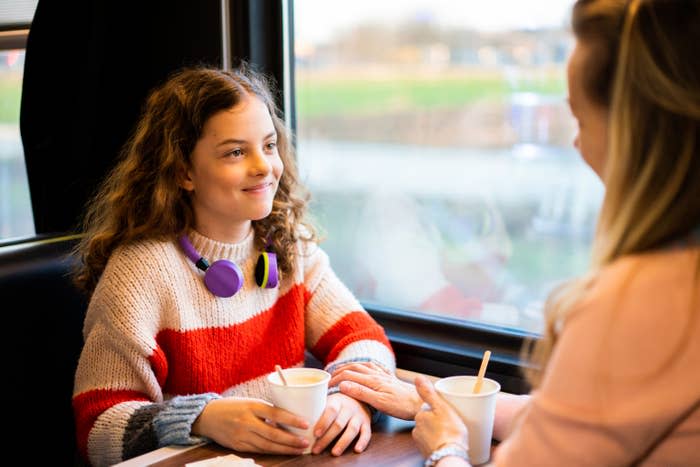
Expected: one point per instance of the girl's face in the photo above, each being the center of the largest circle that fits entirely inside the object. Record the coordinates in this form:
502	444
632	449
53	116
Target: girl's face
235	170
592	137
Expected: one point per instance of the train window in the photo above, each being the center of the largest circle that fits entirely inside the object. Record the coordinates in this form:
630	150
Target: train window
15	206
437	143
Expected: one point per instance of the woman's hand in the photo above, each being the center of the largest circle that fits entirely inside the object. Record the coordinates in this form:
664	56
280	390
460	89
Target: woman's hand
370	383
250	425
437	424
342	413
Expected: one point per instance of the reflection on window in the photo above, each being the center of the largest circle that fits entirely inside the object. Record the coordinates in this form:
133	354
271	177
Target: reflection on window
15	206
437	143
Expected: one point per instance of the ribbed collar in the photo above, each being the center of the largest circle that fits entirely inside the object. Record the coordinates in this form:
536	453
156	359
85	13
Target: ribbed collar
213	250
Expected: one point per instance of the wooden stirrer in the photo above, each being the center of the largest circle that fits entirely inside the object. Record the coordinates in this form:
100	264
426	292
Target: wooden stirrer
482	371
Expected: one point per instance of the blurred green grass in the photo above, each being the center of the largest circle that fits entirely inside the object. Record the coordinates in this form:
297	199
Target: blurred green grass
10	97
343	96
318	97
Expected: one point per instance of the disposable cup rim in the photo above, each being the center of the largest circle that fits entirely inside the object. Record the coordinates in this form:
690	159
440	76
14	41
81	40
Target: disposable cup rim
463	395
273	374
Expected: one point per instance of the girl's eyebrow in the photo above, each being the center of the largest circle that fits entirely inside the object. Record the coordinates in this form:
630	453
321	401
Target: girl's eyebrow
242	141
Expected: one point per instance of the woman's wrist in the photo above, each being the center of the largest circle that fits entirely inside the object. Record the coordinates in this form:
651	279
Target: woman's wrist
448	454
453	461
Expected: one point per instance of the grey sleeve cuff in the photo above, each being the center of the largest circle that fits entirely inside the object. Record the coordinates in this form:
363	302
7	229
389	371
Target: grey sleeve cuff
173	424
331	367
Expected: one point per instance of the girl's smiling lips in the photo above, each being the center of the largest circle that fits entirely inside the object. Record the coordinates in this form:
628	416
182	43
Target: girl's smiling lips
258	188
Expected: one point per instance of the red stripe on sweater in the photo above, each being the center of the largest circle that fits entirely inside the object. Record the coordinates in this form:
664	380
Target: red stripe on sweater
353	327
215	359
89	405
159	364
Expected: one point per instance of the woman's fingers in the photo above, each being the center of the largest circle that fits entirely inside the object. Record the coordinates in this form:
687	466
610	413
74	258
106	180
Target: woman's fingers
361	376
359	392
428	393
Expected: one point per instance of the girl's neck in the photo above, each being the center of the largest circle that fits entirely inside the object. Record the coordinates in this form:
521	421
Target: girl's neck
225	234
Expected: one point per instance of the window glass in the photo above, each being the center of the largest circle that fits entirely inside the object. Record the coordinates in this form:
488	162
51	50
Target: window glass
16	12
437	143
15	206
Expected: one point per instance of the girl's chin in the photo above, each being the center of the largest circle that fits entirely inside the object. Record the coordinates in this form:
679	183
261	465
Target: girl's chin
261	214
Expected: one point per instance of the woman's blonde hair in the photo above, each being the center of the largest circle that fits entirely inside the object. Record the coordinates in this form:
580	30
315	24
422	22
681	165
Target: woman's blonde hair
141	198
646	70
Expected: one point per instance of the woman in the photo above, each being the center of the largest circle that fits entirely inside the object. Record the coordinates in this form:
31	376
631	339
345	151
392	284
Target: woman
620	358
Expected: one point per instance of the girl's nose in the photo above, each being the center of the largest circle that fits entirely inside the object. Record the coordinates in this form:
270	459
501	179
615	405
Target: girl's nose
259	163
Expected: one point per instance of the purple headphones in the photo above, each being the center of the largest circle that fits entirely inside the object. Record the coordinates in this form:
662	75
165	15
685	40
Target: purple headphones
224	278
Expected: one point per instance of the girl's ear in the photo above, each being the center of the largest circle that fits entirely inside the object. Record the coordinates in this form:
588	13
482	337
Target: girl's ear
185	180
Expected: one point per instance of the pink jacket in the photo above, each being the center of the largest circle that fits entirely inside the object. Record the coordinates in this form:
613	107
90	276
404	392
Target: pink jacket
623	384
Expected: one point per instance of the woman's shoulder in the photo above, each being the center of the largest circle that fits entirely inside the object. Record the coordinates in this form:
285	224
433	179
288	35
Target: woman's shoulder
641	294
649	273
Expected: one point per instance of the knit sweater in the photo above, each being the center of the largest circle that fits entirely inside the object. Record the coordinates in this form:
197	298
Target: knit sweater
159	345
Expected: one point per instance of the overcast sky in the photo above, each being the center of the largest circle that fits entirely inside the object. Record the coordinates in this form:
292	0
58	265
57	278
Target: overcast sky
317	20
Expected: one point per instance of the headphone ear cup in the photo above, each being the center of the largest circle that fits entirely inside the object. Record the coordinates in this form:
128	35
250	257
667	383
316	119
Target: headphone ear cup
223	278
266	270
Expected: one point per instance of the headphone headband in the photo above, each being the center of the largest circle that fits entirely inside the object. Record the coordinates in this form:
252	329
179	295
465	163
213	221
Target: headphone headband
224	278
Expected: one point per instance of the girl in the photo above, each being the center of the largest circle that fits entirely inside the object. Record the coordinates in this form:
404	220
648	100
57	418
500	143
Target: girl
206	192
621	354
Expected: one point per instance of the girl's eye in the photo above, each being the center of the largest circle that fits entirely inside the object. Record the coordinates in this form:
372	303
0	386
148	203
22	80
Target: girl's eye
271	146
235	153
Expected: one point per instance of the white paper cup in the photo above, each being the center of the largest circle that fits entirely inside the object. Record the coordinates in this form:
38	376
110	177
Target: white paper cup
305	395
476	410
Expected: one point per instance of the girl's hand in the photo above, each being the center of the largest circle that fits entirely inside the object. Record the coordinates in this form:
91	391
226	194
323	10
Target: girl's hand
437	424
250	425
342	413
370	383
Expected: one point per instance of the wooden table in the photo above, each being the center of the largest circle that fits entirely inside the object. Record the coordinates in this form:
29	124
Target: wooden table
391	445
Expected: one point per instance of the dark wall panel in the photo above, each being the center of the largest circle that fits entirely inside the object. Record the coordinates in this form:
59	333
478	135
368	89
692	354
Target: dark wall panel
88	68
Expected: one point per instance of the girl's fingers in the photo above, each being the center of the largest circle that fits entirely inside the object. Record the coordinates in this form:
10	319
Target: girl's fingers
279	436
333	430
265	445
351	430
364	438
328	416
277	415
